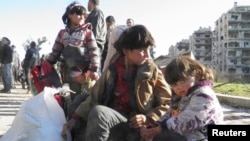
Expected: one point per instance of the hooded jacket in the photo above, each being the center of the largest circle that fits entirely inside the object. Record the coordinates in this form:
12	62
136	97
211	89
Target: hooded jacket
77	48
199	108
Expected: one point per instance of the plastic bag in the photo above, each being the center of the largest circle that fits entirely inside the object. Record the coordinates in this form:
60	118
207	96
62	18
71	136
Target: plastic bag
39	119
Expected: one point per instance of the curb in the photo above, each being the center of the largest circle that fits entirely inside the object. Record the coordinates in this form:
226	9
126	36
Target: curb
235	101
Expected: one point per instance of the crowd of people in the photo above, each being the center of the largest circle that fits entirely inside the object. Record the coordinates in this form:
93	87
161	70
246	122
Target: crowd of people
13	70
120	93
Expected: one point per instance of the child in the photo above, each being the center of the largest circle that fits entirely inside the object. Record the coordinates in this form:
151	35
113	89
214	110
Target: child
194	104
77	46
130	93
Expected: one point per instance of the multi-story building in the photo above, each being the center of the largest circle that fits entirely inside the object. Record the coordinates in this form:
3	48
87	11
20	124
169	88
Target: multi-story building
231	42
180	48
201	45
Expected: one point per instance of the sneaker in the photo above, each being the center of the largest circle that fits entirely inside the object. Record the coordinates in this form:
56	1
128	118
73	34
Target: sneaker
28	91
23	85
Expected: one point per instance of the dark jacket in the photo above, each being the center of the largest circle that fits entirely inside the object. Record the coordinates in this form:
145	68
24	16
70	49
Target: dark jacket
97	20
32	58
7	53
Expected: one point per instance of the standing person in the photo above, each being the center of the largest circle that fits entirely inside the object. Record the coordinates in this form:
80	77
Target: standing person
130	22
131	93
76	49
194	104
42	58
97	20
6	64
113	37
16	66
110	21
1	55
31	59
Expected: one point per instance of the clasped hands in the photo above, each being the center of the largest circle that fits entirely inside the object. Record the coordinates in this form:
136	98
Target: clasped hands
148	127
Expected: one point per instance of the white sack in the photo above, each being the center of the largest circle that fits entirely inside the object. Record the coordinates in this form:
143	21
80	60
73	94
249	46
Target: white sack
39	119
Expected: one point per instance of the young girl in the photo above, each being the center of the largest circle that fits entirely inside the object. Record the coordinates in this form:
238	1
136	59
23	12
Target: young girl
194	104
77	46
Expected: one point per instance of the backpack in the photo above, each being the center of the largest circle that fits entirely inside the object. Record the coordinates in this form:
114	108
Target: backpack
43	75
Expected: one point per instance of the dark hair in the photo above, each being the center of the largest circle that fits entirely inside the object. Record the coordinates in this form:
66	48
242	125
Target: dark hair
110	19
73	8
182	67
33	44
96	2
135	37
7	39
130	19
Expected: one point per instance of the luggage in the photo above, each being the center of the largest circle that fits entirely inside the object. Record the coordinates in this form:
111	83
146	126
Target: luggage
40	118
43	75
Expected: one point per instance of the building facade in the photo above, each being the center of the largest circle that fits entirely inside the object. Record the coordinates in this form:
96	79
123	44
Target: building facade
201	45
180	48
231	42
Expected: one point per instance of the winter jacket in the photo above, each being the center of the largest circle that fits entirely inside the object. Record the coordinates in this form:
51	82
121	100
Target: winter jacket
32	58
7	53
199	108
97	20
151	93
77	47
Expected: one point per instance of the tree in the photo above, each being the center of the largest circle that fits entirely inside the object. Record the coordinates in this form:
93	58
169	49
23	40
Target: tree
39	42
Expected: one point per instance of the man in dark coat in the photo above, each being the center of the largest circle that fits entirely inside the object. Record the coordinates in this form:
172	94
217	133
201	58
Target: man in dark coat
31	59
6	60
98	22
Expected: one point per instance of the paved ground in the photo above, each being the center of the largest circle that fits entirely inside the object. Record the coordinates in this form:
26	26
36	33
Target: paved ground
10	104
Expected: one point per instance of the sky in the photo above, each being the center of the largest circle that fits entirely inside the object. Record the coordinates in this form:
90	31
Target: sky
169	21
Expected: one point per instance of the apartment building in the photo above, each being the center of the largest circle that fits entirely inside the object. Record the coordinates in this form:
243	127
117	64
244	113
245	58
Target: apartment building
231	42
180	48
201	45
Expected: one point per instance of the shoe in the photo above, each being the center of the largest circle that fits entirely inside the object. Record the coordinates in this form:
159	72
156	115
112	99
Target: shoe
5	91
2	91
28	91
23	85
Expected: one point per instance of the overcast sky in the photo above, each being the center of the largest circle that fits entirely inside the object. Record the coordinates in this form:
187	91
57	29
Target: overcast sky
169	21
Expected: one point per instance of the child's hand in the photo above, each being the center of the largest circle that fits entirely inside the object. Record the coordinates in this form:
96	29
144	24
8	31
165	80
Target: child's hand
137	121
92	75
68	127
150	133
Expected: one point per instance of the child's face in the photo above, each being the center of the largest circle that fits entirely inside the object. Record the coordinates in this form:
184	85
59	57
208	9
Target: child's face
77	19
181	87
137	56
